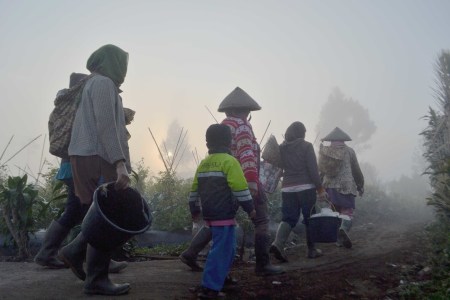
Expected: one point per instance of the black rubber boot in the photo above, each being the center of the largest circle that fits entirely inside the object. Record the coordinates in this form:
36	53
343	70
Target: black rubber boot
117	266
97	280
47	255
200	240
73	255
263	266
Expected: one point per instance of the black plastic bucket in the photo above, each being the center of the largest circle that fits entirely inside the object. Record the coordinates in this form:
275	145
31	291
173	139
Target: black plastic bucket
324	229
114	217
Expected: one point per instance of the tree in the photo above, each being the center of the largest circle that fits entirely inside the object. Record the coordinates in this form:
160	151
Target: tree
437	139
350	116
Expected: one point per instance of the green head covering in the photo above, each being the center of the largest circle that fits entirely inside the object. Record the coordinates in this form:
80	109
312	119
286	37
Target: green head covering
109	61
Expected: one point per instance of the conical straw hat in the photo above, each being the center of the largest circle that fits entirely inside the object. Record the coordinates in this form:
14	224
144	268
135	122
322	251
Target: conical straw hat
238	99
337	135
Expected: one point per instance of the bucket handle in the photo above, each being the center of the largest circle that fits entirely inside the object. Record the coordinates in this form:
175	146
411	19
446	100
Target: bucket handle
326	200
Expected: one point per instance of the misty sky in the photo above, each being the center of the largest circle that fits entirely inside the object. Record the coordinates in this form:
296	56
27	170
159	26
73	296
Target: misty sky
185	55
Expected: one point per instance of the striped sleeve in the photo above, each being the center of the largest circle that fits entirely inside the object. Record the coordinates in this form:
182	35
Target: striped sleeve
244	152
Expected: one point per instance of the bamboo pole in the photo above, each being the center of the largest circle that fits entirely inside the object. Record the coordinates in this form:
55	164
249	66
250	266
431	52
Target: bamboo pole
159	150
211	114
20	150
7	145
265	132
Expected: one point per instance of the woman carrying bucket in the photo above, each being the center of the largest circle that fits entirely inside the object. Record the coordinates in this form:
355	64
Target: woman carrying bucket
300	188
99	153
342	178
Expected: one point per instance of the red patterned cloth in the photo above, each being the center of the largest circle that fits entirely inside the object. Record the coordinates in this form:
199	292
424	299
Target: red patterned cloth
244	147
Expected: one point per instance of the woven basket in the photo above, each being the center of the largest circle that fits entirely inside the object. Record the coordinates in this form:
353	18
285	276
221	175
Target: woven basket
271	152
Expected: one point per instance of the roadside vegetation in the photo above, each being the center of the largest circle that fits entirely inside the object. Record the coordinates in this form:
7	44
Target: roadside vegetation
27	205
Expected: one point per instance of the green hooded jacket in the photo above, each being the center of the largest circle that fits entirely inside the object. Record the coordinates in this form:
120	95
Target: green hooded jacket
109	61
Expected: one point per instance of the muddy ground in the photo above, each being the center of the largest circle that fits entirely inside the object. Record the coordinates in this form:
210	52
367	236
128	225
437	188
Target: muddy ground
386	254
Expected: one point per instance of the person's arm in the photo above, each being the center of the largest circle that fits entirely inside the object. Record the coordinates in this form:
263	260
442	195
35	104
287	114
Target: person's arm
357	173
105	104
246	156
238	185
123	178
109	128
311	166
194	200
313	170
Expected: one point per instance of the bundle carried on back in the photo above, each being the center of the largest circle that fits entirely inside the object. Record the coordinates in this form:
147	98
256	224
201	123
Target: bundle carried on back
271	152
62	117
330	160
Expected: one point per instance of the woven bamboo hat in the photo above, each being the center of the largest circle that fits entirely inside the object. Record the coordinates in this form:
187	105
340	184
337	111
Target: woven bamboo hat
238	99
337	134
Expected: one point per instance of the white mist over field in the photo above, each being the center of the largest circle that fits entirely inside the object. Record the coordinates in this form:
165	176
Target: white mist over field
186	56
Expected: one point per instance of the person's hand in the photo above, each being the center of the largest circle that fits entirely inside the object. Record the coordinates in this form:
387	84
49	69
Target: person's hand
196	218
322	195
361	192
252	214
123	179
253	187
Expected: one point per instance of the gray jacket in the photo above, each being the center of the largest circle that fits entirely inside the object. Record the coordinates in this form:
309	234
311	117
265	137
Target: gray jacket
99	125
299	163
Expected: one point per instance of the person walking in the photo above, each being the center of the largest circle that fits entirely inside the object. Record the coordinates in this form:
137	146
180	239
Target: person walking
301	183
342	179
220	184
73	214
244	147
99	153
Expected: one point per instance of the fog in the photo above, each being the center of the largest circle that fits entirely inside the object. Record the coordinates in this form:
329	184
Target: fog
185	57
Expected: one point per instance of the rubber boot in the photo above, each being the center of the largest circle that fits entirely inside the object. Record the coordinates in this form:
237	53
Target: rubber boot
263	266
343	238
97	280
313	252
47	255
117	266
277	247
200	240
73	255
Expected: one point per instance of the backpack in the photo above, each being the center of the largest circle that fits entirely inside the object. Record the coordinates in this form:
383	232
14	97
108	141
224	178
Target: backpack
61	119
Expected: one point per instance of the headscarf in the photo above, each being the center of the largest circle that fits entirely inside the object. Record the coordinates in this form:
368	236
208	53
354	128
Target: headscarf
109	61
295	131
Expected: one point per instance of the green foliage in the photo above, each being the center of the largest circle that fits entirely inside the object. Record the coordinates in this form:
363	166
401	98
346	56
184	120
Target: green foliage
436	139
17	200
169	202
161	250
441	195
53	194
437	153
439	285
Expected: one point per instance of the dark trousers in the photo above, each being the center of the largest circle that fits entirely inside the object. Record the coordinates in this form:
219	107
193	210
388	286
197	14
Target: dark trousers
298	202
74	211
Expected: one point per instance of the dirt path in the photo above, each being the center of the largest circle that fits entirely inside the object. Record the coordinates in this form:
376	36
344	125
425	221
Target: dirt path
373	269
